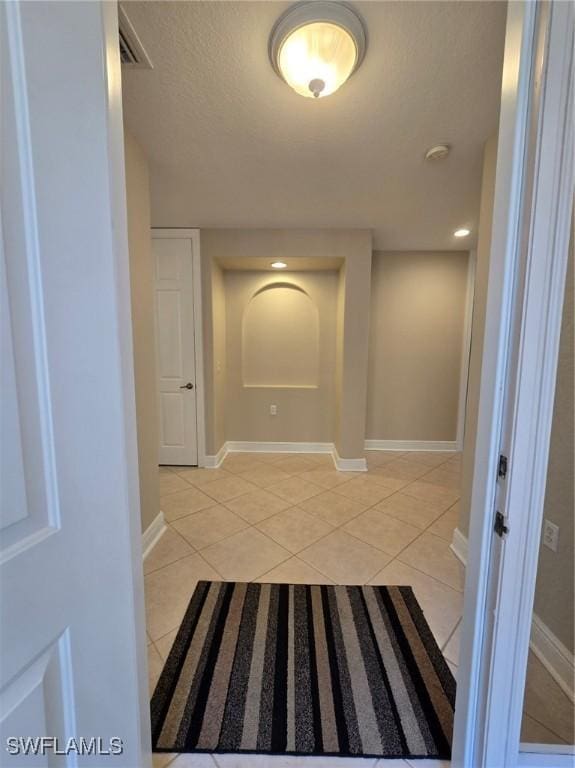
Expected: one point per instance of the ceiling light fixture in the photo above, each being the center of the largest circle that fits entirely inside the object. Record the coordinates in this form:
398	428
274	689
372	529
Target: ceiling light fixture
279	265
316	46
461	232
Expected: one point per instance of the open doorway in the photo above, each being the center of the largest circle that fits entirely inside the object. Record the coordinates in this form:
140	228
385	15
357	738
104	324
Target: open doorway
336	337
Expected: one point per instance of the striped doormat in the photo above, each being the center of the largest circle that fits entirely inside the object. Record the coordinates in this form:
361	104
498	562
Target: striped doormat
307	670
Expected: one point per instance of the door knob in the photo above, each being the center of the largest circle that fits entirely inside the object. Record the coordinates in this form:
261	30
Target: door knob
189	385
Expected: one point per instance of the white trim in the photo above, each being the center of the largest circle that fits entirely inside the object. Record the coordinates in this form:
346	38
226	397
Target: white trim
412	445
199	348
459	546
213	462
466	349
472	701
348	465
473	695
153	534
194	236
544	242
555	657
545	756
242	446
529	244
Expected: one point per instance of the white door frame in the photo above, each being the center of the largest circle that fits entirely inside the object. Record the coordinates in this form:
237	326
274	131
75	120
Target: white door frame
530	236
194	236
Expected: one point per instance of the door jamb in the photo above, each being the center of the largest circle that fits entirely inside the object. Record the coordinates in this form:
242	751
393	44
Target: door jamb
488	712
194	236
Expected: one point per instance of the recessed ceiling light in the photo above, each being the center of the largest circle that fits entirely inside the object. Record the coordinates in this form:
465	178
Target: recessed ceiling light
316	46
279	265
461	232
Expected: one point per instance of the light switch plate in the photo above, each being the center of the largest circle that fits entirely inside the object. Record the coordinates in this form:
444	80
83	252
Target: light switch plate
273	410
550	535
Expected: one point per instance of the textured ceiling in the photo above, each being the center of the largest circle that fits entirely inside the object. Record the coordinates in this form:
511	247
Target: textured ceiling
231	145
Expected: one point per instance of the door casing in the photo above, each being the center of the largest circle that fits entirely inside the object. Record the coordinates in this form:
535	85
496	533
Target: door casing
530	236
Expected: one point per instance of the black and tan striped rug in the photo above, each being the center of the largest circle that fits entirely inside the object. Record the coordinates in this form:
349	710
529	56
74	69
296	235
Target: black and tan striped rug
308	670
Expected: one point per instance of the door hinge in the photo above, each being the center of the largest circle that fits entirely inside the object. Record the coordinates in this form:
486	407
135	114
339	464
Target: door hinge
500	527
502	468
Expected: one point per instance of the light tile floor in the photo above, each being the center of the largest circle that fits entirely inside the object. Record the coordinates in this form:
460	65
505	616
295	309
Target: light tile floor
284	518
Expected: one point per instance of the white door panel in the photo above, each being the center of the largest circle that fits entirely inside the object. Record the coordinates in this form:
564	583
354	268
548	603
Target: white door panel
72	634
174	285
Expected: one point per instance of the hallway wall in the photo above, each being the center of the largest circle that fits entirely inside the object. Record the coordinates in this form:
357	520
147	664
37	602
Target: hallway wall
418	304
555	592
143	327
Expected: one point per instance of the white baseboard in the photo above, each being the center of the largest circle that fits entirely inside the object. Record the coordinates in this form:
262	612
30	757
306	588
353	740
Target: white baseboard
348	465
459	546
555	657
153	534
241	446
545	756
244	446
213	462
412	445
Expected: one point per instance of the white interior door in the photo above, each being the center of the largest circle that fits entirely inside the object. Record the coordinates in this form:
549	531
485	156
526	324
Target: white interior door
72	633
176	355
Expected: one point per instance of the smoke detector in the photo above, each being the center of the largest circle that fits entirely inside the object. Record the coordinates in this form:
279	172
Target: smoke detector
438	152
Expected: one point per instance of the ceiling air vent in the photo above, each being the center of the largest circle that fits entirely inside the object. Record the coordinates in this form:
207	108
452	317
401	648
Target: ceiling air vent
132	52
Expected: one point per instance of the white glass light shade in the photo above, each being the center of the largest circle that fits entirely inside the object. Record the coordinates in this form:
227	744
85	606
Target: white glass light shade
316	59
316	46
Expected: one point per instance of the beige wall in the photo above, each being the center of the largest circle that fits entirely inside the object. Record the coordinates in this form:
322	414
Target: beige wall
352	355
478	327
304	411
352	248
555	594
415	348
142	294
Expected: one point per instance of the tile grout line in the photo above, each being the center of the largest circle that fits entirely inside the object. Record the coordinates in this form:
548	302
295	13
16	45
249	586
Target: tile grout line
339	527
453	631
293	554
544	725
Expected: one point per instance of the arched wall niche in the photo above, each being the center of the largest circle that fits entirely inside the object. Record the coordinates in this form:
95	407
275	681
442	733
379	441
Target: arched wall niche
280	338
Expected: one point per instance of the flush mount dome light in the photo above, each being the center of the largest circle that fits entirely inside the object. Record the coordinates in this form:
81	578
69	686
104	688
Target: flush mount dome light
461	232
316	46
279	265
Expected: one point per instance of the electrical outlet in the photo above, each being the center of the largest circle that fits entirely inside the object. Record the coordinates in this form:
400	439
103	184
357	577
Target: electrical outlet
273	410
550	535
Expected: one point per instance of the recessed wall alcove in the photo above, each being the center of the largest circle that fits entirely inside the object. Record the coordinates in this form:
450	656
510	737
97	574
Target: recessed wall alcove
286	353
280	338
280	351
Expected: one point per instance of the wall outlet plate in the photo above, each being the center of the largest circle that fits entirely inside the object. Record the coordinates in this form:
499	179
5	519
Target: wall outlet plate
550	535
273	410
